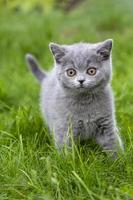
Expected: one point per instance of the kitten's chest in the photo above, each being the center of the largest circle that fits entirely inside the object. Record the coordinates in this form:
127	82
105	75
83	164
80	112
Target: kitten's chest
83	115
84	108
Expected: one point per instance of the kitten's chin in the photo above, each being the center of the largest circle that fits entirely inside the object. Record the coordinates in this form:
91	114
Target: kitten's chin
81	89
74	89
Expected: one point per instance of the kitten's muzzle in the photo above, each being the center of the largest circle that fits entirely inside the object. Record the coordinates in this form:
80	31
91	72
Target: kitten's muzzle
81	83
81	79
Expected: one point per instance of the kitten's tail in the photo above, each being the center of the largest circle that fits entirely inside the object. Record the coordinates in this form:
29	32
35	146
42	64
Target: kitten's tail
34	67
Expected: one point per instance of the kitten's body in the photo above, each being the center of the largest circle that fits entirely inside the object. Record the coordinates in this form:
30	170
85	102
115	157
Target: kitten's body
89	109
83	111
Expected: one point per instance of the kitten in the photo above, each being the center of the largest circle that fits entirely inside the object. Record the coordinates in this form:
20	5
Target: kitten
77	93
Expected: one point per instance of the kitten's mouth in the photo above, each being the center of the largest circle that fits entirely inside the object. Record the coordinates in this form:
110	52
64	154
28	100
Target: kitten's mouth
81	87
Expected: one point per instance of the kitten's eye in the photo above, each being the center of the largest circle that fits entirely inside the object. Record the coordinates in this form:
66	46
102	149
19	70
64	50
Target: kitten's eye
91	71
71	72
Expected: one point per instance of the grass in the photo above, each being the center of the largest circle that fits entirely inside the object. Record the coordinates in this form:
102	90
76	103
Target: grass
30	166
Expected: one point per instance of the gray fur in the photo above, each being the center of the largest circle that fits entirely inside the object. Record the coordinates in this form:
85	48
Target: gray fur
87	109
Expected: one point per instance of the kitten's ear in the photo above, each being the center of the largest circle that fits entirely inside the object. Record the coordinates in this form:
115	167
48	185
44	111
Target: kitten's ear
104	49
58	51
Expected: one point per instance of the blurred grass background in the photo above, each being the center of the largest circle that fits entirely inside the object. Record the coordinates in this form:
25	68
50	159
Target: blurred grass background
30	167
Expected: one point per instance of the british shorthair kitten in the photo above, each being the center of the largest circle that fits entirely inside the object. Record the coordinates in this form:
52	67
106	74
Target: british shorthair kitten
77	93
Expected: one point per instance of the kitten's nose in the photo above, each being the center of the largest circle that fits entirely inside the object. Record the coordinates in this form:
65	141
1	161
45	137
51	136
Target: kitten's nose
81	81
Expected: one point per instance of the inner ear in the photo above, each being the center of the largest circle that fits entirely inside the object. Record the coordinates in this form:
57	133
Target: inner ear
104	49
58	51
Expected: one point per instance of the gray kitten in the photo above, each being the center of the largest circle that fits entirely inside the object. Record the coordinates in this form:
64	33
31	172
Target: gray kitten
77	94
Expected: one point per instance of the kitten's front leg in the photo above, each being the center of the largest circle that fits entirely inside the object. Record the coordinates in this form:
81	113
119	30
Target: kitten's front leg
108	138
61	136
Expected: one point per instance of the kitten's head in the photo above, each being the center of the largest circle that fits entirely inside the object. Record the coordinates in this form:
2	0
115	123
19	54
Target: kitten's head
83	66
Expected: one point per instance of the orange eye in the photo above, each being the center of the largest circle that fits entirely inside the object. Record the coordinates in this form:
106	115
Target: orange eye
71	72
91	71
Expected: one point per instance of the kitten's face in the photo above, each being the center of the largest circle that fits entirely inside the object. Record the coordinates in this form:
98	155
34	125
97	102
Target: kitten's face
81	66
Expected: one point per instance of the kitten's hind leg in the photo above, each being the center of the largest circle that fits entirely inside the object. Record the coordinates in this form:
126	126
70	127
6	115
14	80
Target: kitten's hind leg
107	137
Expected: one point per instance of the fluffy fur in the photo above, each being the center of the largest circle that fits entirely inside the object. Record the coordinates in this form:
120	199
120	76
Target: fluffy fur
87	108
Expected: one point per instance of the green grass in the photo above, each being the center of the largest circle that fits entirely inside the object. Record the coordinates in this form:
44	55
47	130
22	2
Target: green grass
30	166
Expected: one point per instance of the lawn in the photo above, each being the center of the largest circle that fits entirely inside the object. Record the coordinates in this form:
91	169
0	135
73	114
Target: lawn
30	166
